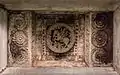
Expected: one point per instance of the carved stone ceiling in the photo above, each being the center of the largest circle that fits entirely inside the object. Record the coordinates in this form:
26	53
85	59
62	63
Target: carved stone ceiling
60	4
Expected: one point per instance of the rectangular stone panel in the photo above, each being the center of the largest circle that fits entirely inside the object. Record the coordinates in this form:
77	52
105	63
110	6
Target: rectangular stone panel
60	39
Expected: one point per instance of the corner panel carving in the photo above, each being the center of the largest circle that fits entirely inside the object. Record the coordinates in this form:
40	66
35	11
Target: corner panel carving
101	39
18	54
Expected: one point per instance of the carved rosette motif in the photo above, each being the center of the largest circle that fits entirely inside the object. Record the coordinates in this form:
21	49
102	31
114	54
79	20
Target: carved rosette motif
99	38
20	23
20	38
60	38
99	22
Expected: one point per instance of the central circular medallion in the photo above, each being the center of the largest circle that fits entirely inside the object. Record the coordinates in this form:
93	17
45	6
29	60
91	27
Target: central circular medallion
60	38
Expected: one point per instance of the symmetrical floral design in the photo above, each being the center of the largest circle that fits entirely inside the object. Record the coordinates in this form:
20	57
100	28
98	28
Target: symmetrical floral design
20	38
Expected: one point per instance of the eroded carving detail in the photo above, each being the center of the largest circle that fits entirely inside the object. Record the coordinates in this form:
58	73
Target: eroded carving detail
99	56
18	53
100	21
19	22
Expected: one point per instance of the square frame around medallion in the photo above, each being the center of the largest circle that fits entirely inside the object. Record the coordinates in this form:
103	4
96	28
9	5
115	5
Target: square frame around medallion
68	52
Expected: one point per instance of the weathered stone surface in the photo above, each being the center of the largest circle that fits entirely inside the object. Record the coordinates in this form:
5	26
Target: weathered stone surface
116	43
3	38
61	5
59	71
